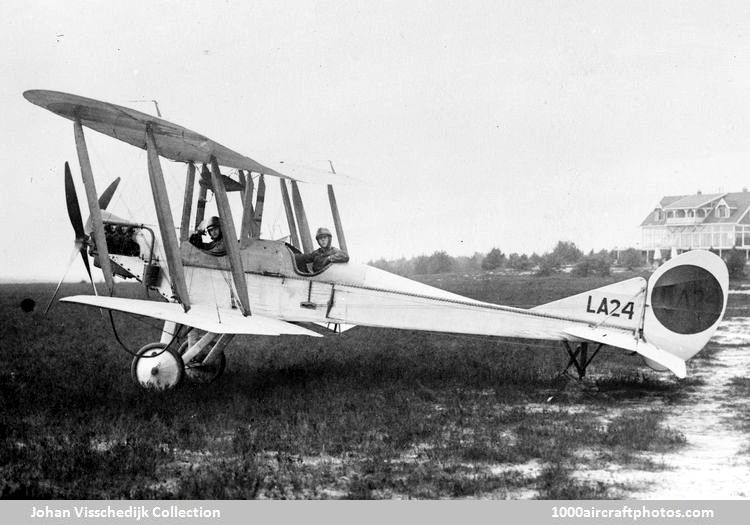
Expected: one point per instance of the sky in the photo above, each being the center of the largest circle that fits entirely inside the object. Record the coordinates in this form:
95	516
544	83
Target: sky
468	124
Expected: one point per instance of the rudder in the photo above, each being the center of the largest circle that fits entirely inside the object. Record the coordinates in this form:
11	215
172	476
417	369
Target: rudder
686	300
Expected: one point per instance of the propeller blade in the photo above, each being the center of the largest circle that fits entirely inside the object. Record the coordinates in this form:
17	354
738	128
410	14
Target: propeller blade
105	197
74	214
76	249
85	258
74	209
104	200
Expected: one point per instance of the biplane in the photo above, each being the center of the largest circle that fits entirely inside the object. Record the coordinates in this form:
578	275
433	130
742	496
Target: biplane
259	288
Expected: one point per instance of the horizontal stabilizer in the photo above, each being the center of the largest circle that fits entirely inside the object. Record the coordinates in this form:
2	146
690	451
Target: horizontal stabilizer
629	342
204	317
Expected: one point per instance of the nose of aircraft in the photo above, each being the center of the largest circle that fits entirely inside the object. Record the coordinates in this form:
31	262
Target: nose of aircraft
76	221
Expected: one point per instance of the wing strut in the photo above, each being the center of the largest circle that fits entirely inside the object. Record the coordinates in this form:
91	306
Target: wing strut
335	213
230	237
94	210
187	204
293	237
299	211
337	219
259	201
166	222
246	232
200	210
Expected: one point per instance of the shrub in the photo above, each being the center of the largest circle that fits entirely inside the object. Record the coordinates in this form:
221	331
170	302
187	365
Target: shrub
565	252
519	262
735	264
546	267
592	264
438	262
494	259
631	258
582	268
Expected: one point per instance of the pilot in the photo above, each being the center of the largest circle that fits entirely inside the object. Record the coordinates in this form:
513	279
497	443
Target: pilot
111	235
324	255
129	245
216	246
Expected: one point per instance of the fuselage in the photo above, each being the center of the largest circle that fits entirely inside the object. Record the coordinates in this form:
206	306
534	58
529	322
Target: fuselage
356	294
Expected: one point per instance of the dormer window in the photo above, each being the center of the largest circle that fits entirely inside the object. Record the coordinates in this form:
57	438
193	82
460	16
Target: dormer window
722	212
657	214
691	213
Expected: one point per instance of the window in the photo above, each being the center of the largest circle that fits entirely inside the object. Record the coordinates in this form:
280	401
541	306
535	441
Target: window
722	212
657	215
685	239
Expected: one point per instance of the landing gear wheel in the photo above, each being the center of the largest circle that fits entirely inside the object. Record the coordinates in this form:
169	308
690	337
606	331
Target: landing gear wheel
198	372
157	368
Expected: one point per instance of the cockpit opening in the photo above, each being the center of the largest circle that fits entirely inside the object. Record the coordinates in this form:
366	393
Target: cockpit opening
318	260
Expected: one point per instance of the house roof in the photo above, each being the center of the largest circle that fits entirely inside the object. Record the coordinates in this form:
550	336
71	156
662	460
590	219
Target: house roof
693	201
666	201
738	203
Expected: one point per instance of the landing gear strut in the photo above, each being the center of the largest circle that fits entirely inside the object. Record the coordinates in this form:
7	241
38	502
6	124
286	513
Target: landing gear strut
579	358
200	359
199	369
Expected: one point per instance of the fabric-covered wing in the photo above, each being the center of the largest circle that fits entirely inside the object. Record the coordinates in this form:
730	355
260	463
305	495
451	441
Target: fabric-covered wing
628	342
203	317
128	125
173	141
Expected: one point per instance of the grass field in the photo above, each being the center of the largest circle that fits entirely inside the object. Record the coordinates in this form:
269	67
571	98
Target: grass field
371	413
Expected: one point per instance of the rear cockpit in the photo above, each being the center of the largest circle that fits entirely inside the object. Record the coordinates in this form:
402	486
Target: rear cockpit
300	266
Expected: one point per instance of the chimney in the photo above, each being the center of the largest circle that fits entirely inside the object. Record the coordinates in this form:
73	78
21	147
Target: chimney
700	192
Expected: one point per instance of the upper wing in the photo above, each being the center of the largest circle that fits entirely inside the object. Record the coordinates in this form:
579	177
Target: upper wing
203	317
172	140
628	342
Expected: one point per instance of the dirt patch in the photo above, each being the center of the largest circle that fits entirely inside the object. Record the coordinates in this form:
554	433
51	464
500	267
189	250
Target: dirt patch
712	464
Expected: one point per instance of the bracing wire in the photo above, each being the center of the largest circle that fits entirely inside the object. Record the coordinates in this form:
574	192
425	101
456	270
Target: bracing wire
175	335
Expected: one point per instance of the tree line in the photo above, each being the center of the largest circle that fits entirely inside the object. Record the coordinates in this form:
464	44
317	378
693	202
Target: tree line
565	255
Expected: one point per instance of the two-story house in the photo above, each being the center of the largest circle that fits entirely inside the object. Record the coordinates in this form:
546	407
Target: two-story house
719	221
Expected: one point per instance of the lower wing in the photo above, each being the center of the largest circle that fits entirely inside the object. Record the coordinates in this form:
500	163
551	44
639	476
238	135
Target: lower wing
203	317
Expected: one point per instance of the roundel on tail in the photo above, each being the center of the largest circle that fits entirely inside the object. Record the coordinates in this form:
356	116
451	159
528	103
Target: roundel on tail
687	299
